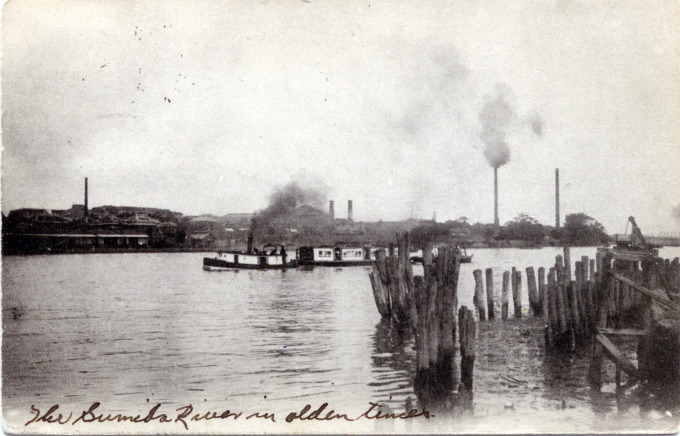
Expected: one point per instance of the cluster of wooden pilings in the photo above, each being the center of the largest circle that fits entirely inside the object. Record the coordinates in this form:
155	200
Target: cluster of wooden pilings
568	306
640	299
428	305
486	306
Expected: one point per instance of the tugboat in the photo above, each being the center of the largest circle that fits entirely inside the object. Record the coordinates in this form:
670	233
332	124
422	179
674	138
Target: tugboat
270	257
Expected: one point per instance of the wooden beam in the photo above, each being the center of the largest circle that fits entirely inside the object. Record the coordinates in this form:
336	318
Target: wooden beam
621	332
614	354
634	257
656	295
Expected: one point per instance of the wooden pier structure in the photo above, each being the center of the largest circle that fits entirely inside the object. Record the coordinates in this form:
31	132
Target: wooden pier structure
622	297
606	302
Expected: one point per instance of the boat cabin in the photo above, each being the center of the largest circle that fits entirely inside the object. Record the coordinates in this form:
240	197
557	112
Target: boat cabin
251	259
334	254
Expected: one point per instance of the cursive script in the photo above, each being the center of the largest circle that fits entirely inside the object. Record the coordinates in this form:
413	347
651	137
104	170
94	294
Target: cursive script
187	414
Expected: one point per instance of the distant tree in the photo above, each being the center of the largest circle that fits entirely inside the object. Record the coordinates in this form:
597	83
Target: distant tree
581	229
555	233
429	233
523	227
486	231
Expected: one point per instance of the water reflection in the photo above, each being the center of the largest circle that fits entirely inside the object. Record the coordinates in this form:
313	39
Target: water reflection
393	360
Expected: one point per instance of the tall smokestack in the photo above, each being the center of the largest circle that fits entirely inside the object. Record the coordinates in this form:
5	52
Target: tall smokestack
86	212
495	197
331	210
557	198
349	210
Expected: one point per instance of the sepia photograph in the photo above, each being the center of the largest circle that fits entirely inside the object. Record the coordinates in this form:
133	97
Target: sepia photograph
340	217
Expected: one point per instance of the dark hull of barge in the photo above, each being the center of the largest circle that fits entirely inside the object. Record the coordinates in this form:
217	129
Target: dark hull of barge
210	263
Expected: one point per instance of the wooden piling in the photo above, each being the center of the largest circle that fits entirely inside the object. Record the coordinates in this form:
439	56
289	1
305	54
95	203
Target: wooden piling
595	371
448	269
559	270
428	304
592	309
489	292
580	297
545	309
555	321
591	270
421	330
479	294
534	301
504	295
572	292
432	321
380	292
561	303
585	264
586	295
435	327
567	265
516	294
467	331
541	286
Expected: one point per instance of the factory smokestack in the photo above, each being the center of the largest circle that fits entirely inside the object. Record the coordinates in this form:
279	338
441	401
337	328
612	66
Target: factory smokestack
495	197
331	210
86	211
557	198
349	210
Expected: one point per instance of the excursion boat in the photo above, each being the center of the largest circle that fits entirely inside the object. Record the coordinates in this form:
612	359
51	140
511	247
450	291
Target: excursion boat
227	260
336	256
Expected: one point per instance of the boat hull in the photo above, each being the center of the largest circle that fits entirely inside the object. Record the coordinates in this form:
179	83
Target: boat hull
337	263
212	264
463	259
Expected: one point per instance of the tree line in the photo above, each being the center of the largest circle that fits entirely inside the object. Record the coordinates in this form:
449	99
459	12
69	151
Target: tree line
579	229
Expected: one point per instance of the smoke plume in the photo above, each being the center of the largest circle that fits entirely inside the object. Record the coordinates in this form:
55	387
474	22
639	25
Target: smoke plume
537	125
265	225
676	213
286	198
496	117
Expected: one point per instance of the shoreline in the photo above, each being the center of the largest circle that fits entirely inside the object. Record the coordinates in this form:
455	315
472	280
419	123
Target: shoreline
113	250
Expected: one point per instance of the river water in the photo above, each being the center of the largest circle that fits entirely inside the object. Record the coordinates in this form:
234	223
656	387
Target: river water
134	330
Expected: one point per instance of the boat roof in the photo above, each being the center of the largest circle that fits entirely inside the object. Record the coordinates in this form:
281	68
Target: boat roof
333	247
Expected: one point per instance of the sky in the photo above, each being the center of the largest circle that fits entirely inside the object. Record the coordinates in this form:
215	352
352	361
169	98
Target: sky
209	107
